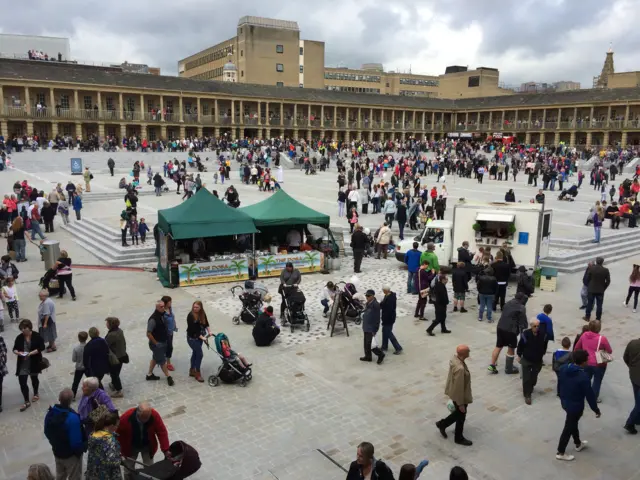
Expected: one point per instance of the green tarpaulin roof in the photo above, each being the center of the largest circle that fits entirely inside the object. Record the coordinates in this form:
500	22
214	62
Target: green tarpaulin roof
281	209
204	215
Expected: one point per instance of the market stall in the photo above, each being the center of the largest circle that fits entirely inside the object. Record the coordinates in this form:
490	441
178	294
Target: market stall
278	218
204	241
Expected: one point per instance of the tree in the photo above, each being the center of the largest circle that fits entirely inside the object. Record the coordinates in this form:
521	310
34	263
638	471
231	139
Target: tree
311	258
267	262
239	266
190	270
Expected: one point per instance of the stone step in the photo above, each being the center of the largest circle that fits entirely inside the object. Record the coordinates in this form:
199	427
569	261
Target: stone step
609	238
111	260
119	195
578	264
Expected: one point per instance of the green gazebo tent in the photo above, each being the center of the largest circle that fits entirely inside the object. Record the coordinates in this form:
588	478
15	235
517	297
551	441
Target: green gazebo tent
280	209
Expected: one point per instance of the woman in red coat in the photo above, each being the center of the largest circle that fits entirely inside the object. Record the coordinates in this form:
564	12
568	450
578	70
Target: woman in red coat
141	431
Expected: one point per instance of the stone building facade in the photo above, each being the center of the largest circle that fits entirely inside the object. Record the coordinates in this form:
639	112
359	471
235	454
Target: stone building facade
81	100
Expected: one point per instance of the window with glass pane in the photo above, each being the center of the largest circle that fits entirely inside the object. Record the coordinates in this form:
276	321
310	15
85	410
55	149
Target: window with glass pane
149	105
279	49
40	98
109	103
152	134
88	103
131	104
279	67
64	101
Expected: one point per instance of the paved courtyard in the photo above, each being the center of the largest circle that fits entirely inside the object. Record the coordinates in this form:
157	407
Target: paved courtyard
311	401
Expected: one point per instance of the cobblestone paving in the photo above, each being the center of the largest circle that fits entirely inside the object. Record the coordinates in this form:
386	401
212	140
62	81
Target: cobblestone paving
310	395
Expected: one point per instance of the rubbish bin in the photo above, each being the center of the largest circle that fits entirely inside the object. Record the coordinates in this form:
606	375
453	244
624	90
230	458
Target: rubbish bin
50	253
174	275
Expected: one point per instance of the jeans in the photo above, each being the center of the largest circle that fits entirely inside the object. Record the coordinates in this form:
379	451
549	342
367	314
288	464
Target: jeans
597	374
530	371
401	228
169	353
340	209
634	416
158	191
325	303
411	282
485	301
584	296
458	418
114	372
36	230
196	354
596	231
388	336
598	298
19	245
570	430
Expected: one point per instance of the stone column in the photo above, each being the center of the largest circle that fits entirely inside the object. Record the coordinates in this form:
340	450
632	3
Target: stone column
260	118
163	132
182	132
544	119
359	119
2	101
241	114
574	122
162	115
502	121
529	124
559	119
393	120
424	124
29	127
624	140
309	135
371	120
490	120
515	121
295	134
199	131
54	128
282	114
527	138
120	107
433	121
466	120
626	115
216	132
27	103
199	115
541	138
233	112
266	115
181	115
556	138
478	121
295	116
52	101
591	116
4	129
589	135
403	123
322	117
76	104
268	133
309	116
605	142
143	111
346	116
608	120
335	119
216	118
572	139
123	132
260	137
347	138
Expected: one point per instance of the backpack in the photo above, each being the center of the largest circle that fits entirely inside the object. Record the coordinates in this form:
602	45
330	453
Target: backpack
14	271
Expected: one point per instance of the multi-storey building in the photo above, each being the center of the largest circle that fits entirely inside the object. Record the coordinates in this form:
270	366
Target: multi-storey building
266	51
83	100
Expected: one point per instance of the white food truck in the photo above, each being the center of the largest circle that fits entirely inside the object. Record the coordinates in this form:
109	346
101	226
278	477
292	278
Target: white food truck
526	227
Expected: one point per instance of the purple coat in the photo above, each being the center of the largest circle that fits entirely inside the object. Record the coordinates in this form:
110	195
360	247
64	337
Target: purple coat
88	404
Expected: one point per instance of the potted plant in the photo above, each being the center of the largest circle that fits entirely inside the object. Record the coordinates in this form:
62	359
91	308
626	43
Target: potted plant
477	228
512	229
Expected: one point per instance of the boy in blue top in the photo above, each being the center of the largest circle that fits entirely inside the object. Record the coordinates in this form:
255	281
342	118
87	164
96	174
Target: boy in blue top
561	357
546	324
412	259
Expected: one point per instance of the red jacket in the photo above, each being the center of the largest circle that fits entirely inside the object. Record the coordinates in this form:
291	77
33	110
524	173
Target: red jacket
156	432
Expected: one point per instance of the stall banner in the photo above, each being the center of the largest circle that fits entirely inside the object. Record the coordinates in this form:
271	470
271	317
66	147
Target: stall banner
218	271
305	262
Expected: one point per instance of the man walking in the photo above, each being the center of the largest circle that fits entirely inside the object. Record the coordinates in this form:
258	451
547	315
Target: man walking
359	243
575	387
412	259
388	309
157	334
598	280
631	358
458	389
531	348
584	291
370	327
512	321
65	432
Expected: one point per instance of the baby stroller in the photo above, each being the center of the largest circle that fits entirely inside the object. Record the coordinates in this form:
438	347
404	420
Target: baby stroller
252	298
50	282
182	462
294	313
571	192
351	306
231	370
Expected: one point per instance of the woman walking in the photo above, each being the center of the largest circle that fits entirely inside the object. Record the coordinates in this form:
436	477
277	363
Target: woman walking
3	366
597	217
634	287
47	320
96	356
65	275
592	342
63	209
170	321
10	295
197	332
117	354
19	242
352	218
28	348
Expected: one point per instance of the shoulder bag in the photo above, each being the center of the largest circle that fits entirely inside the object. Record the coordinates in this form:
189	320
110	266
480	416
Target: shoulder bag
601	355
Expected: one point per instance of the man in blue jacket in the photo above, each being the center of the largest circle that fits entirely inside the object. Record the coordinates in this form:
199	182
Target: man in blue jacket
575	387
65	432
412	259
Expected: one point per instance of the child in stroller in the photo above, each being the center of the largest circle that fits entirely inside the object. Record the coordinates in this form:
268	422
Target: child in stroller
181	462
571	193
351	304
234	365
50	282
252	297
294	313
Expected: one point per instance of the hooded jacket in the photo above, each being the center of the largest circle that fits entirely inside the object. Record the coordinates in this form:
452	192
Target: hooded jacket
371	317
514	316
574	387
65	432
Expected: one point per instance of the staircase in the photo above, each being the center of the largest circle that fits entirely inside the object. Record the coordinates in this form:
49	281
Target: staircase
105	243
573	255
119	195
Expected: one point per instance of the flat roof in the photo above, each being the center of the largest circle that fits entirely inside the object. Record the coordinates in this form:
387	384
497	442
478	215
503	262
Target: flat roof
268	22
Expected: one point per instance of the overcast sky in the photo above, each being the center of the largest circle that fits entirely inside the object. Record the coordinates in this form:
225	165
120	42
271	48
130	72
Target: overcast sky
527	40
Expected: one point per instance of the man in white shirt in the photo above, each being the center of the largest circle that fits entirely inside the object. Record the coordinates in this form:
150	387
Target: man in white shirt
352	199
294	238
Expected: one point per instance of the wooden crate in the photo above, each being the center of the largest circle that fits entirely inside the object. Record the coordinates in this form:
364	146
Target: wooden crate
548	284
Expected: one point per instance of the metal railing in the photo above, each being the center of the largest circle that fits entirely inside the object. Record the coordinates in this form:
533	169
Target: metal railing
341	123
288	122
328	122
251	120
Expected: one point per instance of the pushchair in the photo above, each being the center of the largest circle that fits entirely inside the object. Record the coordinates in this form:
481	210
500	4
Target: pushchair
182	461
231	369
351	306
50	282
294	313
571	193
252	298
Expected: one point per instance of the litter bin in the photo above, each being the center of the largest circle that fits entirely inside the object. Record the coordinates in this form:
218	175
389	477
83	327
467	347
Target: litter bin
50	253
174	275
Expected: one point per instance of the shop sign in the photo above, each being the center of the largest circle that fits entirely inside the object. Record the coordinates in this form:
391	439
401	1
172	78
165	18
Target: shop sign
217	271
305	262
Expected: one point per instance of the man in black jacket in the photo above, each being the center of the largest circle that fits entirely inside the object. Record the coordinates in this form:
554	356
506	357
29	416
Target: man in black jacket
366	465
502	271
388	315
487	289
359	245
460	286
466	257
584	291
441	300
598	280
531	348
512	321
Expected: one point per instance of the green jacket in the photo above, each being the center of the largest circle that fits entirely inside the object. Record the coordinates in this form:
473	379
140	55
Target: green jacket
432	259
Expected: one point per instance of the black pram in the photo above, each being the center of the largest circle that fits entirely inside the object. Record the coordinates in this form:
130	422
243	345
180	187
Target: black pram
50	282
294	313
182	462
571	192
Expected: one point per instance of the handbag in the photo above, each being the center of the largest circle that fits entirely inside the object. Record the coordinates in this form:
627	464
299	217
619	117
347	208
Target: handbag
125	359
113	360
44	363
424	293
601	355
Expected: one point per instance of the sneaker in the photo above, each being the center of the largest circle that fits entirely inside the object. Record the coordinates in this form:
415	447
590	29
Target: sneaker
492	369
582	446
625	304
631	429
564	456
480	319
634	310
153	377
170	381
463	310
